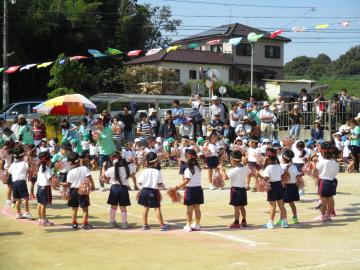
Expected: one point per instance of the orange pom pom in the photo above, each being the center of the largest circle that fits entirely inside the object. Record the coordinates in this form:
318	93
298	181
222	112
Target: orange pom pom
217	180
85	187
4	176
65	194
262	185
54	182
174	195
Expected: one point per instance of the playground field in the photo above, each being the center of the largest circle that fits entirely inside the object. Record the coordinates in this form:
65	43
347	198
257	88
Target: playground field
308	245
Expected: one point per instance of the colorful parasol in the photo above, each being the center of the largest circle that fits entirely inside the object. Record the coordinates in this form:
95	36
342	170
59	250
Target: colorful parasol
74	104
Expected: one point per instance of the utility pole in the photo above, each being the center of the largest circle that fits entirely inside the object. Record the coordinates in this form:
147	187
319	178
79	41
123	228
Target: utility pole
5	97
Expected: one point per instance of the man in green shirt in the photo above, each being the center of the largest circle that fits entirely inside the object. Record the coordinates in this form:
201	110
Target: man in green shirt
104	137
355	141
26	135
254	114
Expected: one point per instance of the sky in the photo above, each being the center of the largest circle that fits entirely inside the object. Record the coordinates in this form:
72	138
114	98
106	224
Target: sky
333	41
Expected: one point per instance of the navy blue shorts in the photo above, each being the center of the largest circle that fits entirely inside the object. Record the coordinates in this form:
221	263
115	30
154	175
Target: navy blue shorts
77	200
193	195
212	162
94	157
62	177
299	166
119	195
20	190
43	195
238	196
149	197
326	188
276	192
291	193
182	168
253	165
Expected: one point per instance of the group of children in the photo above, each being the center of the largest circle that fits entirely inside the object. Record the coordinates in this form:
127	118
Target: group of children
277	169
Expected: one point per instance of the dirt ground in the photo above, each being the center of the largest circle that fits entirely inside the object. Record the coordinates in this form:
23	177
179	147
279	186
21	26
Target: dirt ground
308	245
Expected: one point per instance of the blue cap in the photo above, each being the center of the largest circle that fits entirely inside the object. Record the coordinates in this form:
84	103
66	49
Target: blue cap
276	142
309	143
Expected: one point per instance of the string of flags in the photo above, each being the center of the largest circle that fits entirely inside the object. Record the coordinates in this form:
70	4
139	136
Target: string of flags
252	37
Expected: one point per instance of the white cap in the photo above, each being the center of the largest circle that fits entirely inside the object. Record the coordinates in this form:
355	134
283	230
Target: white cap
266	103
266	140
317	121
151	110
337	133
137	140
159	139
238	138
296	107
358	116
214	98
246	117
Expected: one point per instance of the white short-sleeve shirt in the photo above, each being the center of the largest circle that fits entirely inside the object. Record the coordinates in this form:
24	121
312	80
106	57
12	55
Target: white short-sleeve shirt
19	170
327	168
77	175
195	179
274	172
43	178
293	172
266	114
214	150
254	154
110	173
238	175
150	178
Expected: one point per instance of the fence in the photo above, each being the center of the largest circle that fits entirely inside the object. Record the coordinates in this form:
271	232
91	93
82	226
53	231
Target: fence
331	115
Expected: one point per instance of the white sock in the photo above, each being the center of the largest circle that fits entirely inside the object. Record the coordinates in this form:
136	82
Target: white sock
112	214
124	217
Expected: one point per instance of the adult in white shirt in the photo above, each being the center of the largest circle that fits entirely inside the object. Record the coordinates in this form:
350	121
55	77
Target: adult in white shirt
216	108
266	116
15	129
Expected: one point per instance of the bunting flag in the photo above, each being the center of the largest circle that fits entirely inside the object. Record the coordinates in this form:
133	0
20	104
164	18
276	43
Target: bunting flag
78	57
345	23
44	65
235	41
153	51
96	53
12	69
62	61
276	33
134	53
213	42
173	48
298	29
1	69
113	51
253	37
193	45
27	67
322	26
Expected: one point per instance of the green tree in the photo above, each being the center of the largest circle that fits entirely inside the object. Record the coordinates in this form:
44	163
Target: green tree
348	63
319	67
298	66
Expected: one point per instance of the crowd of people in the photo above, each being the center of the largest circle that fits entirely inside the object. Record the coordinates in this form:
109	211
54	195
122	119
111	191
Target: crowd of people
123	148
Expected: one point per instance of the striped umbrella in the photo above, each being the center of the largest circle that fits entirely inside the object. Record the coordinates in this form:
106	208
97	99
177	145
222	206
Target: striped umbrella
74	104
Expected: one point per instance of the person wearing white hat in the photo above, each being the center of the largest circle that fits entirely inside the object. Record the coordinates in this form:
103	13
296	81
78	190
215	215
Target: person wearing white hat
217	108
266	117
154	122
317	132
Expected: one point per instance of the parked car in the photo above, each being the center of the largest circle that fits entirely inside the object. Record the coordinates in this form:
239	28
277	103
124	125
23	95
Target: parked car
24	108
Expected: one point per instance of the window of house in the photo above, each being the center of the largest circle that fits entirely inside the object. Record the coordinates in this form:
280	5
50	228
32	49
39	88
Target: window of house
192	74
272	51
243	49
216	48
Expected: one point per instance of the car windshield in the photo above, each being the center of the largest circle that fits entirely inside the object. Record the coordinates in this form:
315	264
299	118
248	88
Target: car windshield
6	108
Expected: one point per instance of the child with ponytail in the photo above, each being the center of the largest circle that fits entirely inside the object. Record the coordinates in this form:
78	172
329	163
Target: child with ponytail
43	194
117	176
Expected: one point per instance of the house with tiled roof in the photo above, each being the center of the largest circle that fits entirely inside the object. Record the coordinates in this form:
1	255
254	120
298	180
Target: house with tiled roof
233	62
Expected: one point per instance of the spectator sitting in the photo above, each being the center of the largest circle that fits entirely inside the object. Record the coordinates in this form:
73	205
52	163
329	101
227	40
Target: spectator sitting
317	132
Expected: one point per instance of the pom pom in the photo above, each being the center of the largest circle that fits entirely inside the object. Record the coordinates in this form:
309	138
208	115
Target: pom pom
84	187
65	194
310	170
3	153
4	176
217	180
34	168
54	182
206	151
174	195
285	178
300	182
262	185
224	157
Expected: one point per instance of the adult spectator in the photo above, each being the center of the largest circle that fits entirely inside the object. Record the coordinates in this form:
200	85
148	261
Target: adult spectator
106	117
216	124
295	122
116	127
69	131
344	101
355	141
250	104
236	116
345	129
26	135
154	122
104	137
317	132
216	108
178	115
254	113
244	128
168	130
15	128
90	119
128	121
197	114
255	129
266	117
39	131
143	128
305	100
275	123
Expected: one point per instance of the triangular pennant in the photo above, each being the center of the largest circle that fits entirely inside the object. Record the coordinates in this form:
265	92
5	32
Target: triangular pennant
28	66
95	53
345	23
213	42
298	29
153	51
322	26
173	48
78	57
193	45
276	33
43	65
253	37
114	51
12	69
134	53
62	61
1	69
235	41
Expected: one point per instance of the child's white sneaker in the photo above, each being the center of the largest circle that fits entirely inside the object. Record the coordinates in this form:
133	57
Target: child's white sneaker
27	215
187	228
211	187
8	203
19	216
195	227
